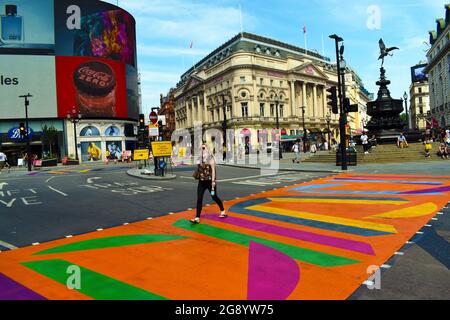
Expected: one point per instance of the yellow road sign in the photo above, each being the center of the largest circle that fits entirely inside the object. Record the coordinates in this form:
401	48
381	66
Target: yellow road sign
162	149
140	155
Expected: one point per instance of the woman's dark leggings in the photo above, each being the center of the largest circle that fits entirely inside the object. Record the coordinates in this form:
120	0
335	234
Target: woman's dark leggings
202	187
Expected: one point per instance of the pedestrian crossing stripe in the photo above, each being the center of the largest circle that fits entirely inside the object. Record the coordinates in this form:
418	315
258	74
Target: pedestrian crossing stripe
336	200
256	208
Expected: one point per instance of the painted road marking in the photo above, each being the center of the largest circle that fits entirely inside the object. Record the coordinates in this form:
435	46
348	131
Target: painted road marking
337	200
57	191
2	184
328	219
49	179
7	245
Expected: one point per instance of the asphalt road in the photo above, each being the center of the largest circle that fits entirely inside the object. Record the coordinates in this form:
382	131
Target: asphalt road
47	207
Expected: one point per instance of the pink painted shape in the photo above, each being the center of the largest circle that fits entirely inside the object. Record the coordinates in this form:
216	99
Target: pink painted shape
272	275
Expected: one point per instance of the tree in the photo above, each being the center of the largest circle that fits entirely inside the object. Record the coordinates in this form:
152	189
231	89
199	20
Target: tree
49	138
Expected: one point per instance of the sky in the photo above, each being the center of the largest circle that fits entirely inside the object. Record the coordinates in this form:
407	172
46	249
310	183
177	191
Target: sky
166	29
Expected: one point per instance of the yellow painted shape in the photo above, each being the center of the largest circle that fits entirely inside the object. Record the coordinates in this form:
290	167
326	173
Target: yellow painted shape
346	201
85	171
411	212
329	219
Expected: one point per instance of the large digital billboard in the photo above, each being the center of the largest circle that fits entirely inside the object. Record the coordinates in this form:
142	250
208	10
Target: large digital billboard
96	87
20	75
27	27
418	73
94	29
68	53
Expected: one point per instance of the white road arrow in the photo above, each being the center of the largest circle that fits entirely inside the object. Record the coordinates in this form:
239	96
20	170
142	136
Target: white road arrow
91	180
3	184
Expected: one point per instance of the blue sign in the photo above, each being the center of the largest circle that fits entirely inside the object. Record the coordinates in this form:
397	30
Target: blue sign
14	133
162	164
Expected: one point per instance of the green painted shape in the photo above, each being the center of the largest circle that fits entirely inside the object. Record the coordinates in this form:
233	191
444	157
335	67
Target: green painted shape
110	242
93	284
301	254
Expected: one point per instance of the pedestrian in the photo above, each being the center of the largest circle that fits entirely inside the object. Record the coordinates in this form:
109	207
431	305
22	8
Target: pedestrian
224	154
313	148
3	162
365	143
206	175
296	148
373	141
428	146
443	151
402	142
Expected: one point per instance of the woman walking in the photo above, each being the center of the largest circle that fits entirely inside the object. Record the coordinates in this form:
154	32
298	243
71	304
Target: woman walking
206	176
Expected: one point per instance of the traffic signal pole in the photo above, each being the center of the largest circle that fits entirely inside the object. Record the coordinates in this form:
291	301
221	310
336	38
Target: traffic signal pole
27	103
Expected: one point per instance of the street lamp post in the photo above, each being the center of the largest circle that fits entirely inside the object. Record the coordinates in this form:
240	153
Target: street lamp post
304	128
280	147
75	118
328	118
341	89
405	97
27	103
224	126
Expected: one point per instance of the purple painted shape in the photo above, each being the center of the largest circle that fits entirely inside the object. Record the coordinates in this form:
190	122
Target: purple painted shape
272	275
345	244
428	191
12	290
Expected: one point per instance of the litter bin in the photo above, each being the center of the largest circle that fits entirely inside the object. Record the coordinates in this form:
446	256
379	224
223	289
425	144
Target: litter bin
352	159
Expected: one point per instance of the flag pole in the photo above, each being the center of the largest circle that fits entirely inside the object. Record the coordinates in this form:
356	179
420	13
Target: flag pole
240	17
306	40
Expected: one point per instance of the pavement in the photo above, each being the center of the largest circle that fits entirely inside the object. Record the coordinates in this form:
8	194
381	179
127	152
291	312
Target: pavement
422	167
289	235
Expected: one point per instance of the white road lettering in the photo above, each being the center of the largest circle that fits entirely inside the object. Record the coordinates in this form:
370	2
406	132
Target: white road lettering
30	201
8	204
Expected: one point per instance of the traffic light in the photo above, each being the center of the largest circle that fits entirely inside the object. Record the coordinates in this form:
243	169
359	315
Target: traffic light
142	121
23	130
349	107
332	99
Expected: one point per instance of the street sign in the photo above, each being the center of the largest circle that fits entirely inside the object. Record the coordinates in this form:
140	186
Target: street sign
153	130
140	155
153	117
162	149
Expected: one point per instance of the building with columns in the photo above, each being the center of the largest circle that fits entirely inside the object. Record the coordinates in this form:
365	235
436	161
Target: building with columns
438	70
248	77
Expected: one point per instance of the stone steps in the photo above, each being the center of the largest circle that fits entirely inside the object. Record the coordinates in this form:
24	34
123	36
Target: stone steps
384	154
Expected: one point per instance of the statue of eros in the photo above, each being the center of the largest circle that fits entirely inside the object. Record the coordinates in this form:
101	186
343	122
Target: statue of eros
384	52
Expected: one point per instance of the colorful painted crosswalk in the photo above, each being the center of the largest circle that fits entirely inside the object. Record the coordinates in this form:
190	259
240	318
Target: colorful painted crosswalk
310	241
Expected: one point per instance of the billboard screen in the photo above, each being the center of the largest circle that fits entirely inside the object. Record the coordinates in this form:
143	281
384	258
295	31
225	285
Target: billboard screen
94	29
418	73
20	75
27	27
96	87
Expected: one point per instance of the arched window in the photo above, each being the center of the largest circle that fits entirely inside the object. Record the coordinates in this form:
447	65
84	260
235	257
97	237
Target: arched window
90	131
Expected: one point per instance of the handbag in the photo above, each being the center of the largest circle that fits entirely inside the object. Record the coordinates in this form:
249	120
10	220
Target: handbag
196	174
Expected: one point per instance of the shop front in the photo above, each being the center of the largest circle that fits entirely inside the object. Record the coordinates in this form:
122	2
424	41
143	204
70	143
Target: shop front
99	140
46	140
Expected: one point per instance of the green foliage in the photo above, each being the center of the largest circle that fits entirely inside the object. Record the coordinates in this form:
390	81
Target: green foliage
49	138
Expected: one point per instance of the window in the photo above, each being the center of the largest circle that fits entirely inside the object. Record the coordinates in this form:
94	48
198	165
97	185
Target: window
242	79
420	90
272	110
243	94
281	111
261	81
212	115
420	100
261	109
271	82
421	110
281	83
244	107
